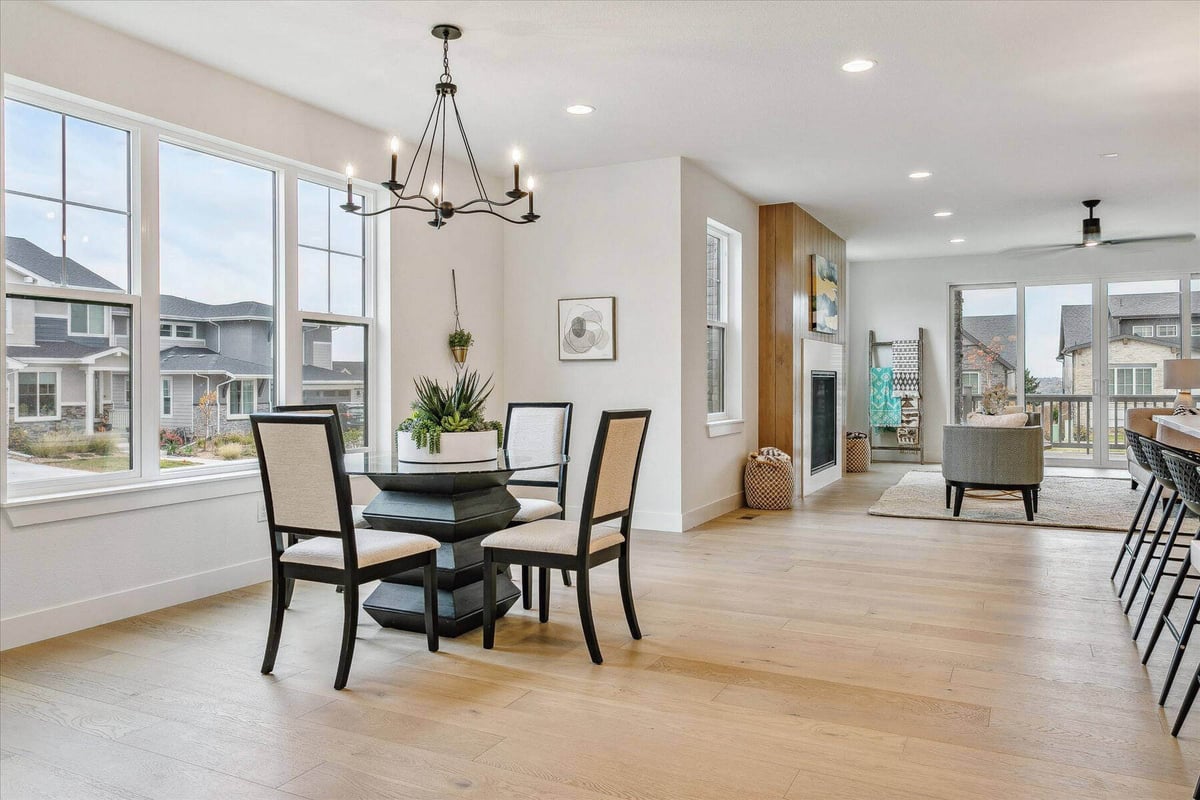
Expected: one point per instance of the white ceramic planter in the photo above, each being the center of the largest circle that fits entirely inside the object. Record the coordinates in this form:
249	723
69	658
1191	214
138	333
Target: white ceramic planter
456	448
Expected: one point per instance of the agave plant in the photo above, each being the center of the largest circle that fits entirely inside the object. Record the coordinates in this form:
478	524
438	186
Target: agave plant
442	409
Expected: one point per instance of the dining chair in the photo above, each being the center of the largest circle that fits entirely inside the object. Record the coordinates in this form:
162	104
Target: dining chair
539	428
558	544
1186	472
1154	565
307	493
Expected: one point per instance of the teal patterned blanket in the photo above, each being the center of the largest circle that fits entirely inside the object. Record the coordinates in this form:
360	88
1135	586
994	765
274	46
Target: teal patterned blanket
884	411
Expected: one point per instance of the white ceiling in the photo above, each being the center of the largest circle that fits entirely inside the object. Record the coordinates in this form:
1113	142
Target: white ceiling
1009	104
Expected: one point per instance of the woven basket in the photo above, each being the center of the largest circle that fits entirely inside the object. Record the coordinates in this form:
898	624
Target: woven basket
858	454
769	479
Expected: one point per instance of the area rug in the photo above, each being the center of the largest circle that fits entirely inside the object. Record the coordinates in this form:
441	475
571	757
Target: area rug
1105	504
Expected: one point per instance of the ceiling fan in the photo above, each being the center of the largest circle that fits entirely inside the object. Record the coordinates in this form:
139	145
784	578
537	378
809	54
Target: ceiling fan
1091	236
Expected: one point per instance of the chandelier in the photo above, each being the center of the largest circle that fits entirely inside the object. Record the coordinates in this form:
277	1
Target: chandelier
435	201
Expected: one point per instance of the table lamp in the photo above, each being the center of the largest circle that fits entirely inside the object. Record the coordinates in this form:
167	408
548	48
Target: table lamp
1182	374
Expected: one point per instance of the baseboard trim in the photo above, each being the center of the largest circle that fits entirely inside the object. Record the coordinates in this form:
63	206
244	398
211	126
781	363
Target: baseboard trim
701	515
70	617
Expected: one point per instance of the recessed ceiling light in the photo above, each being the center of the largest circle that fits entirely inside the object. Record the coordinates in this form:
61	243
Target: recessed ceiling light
943	213
919	175
580	109
1109	155
957	241
858	65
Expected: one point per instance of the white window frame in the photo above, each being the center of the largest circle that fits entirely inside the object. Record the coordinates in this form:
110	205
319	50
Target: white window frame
168	396
8	315
38	371
1166	331
1134	369
1145	331
241	384
978	376
103	332
729	420
48	500
1196	329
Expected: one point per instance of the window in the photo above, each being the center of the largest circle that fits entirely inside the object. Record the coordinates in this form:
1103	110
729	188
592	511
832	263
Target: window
971	383
86	320
37	395
1131	380
332	251
1143	330
1195	330
166	397
335	371
68	218
217	240
165	330
1167	331
242	397
121	325
717	303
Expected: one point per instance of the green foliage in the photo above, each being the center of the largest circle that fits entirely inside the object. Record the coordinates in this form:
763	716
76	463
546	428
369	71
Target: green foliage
442	409
461	338
18	439
352	437
230	452
1031	383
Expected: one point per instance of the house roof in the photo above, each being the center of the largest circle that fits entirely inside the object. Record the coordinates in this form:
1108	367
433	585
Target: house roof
1075	321
201	359
342	372
56	350
993	332
28	256
174	307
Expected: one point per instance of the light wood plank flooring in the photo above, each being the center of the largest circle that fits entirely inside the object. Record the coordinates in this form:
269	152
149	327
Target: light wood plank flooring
819	653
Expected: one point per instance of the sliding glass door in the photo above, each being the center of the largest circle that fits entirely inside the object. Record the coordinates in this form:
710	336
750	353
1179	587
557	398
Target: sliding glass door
1080	352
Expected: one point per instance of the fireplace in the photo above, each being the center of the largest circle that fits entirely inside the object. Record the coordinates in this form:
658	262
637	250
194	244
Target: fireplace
823	421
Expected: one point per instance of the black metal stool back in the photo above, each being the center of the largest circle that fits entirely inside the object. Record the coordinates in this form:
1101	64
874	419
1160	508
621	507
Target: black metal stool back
1133	441
1187	480
1156	463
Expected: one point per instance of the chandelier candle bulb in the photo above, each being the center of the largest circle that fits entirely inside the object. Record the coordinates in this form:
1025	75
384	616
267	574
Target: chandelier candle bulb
395	155
349	184
531	195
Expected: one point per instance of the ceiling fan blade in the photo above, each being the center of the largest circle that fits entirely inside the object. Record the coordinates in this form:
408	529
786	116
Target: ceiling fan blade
1044	248
1175	237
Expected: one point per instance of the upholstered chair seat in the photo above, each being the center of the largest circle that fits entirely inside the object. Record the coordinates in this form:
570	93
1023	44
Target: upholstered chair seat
356	512
551	536
1139	473
374	547
533	509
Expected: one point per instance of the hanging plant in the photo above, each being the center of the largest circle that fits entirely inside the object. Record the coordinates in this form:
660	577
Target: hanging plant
460	339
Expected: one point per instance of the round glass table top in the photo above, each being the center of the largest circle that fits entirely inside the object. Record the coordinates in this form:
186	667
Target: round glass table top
370	462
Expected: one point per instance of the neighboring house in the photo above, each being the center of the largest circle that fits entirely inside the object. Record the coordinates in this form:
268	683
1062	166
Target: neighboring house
67	364
988	353
1144	330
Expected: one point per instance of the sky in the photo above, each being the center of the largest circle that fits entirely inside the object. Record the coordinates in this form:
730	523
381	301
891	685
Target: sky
217	217
1043	306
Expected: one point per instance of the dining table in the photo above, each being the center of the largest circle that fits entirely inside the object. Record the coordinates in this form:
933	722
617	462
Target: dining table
1181	430
457	503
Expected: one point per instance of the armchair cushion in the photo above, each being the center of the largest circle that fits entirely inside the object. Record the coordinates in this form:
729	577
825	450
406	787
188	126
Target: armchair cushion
994	456
1016	420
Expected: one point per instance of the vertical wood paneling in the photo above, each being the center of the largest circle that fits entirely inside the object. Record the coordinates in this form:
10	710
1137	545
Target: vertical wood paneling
788	237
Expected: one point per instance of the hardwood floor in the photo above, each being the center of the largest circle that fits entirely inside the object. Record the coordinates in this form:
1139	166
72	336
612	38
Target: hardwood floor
818	653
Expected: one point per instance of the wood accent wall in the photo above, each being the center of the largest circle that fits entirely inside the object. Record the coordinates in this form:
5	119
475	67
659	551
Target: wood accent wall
788	236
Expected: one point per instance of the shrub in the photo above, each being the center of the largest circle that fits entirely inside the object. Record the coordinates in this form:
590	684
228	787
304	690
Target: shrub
56	444
170	441
353	437
18	439
230	451
102	444
233	437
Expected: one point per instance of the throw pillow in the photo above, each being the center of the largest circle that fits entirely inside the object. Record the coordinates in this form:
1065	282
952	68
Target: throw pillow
978	420
1181	411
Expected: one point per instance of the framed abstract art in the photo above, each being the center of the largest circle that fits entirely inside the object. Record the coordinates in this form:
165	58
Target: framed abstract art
824	288
587	329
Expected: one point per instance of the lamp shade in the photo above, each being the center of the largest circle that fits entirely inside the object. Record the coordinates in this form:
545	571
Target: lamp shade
1181	373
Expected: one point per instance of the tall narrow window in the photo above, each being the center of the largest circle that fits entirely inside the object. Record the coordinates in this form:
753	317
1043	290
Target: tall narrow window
717	302
217	279
335	371
67	224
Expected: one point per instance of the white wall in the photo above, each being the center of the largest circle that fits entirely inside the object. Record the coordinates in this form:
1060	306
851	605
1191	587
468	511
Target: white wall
57	576
604	231
712	467
894	297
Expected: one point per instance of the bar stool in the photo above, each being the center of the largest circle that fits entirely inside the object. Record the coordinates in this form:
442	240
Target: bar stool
1187	706
1139	471
1187	480
1154	566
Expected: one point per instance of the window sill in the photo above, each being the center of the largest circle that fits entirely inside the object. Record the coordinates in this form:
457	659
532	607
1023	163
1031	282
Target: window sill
725	427
55	507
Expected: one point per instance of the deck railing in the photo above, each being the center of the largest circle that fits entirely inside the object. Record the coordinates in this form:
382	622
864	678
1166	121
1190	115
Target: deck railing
1070	420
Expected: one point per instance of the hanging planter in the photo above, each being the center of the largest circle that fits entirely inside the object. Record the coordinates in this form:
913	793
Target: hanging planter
460	339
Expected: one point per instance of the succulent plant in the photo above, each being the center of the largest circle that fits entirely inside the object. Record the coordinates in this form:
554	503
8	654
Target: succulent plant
456	408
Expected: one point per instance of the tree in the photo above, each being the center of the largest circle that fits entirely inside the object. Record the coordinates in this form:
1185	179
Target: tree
1031	383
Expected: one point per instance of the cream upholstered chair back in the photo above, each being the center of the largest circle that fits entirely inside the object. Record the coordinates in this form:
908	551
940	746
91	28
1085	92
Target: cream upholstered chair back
539	428
304	479
612	478
330	409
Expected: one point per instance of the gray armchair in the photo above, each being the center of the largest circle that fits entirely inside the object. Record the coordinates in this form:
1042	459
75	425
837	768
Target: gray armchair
994	458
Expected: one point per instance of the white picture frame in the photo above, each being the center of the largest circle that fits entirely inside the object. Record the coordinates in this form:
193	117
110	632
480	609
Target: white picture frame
587	329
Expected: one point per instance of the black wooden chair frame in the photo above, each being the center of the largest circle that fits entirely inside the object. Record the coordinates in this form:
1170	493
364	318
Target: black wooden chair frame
351	576
582	560
560	486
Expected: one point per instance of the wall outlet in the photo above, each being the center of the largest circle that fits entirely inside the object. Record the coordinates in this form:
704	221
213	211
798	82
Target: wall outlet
262	510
